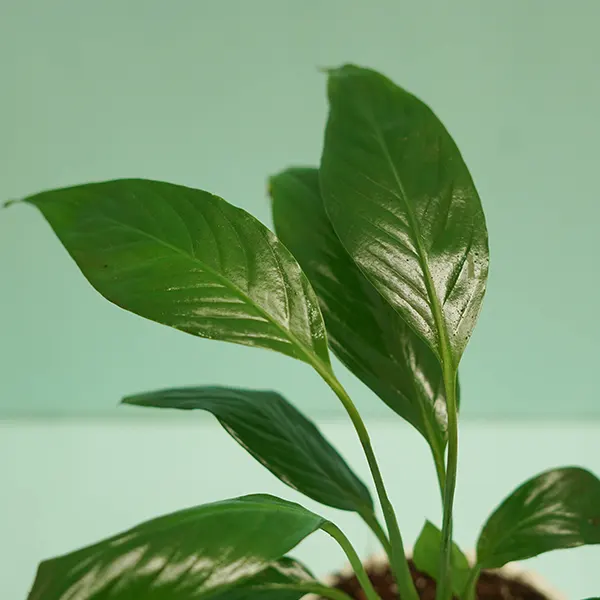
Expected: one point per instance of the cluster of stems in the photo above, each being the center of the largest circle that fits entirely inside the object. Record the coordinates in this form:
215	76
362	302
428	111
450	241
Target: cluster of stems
390	536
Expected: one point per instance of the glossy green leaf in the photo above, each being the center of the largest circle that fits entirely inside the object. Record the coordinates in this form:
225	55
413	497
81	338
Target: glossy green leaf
188	259
557	509
190	554
426	556
405	207
285	579
364	331
278	436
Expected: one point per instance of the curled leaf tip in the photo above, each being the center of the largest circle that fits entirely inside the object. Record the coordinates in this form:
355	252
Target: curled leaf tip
8	203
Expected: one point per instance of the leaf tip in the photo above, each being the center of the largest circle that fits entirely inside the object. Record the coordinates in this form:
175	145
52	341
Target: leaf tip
345	70
275	180
129	400
343	75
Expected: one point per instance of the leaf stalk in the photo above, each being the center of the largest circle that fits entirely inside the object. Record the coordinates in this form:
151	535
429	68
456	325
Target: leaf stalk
444	589
338	535
471	585
397	556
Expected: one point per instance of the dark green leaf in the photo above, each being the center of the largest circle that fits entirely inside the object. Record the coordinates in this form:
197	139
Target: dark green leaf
405	207
364	331
279	581
278	436
188	259
557	509
190	554
426	557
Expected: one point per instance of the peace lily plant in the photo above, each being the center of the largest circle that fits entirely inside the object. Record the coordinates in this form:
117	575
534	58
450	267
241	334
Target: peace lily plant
381	257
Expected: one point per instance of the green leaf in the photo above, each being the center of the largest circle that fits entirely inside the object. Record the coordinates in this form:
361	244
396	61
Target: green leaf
282	580
405	207
426	556
364	331
557	509
188	259
190	554
278	436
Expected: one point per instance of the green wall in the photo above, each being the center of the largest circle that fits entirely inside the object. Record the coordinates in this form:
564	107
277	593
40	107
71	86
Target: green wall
82	480
219	94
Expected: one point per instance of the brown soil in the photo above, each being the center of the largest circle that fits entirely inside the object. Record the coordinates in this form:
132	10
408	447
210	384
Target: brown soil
491	586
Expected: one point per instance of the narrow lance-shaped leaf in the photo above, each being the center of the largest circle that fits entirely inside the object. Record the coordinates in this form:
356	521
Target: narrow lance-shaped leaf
278	436
426	556
405	207
557	509
364	331
188	259
190	554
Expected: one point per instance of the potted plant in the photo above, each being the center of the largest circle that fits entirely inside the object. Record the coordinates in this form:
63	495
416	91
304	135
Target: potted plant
381	257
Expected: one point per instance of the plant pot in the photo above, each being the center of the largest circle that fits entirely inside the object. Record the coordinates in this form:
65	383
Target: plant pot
509	583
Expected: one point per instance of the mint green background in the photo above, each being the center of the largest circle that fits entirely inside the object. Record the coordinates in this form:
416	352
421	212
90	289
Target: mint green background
219	94
68	483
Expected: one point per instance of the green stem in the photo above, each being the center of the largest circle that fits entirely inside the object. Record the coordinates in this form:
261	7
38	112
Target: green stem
338	535
444	590
398	561
440	469
471	586
371	520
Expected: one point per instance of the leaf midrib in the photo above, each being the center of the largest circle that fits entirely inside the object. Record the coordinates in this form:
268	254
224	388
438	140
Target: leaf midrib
444	350
310	356
294	437
519	528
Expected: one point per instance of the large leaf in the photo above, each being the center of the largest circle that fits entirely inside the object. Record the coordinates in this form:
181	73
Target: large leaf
557	509
190	554
278	436
405	207
188	259
364	331
426	556
282	580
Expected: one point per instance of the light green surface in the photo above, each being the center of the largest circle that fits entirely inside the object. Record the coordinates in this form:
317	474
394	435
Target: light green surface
80	481
221	94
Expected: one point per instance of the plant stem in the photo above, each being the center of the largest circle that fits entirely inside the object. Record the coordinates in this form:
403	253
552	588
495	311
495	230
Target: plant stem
371	520
338	535
440	469
398	561
444	590
471	586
